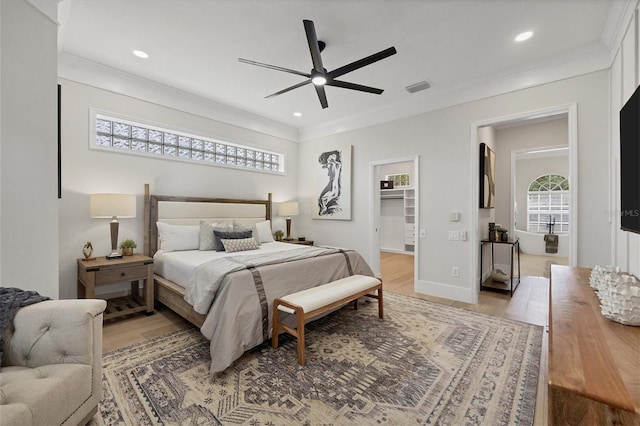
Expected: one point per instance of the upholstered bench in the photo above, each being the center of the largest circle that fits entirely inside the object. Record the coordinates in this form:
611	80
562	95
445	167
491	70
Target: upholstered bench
315	301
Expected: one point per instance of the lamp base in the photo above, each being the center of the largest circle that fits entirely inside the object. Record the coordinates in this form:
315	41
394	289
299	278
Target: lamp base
114	256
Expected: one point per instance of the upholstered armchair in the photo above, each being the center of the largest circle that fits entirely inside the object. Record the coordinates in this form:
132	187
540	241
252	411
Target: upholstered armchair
52	366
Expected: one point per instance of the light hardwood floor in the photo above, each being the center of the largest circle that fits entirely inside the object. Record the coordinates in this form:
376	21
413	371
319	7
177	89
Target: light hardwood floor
529	304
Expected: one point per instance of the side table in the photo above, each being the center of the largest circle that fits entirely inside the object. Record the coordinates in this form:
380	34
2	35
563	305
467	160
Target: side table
489	284
102	271
304	243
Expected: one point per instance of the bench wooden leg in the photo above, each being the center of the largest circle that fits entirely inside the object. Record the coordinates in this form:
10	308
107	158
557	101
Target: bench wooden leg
300	332
380	304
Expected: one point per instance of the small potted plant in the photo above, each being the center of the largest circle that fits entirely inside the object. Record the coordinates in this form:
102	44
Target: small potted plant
278	234
127	247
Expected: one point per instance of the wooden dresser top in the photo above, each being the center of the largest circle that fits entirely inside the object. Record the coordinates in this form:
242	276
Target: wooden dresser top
589	354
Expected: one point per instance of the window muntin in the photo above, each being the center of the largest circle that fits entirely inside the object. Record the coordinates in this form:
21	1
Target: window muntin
548	200
125	136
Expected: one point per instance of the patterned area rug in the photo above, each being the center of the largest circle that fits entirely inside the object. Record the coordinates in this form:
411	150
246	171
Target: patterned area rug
425	363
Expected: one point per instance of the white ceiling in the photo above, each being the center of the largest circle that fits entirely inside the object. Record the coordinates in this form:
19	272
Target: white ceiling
194	45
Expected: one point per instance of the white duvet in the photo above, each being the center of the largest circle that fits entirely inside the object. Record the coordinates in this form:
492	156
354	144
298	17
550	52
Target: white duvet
178	266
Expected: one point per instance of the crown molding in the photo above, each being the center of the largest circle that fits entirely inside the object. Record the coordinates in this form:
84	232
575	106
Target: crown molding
587	60
49	8
620	14
591	58
81	70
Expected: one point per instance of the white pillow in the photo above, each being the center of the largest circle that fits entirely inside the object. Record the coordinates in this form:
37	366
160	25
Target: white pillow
207	239
263	230
178	237
239	244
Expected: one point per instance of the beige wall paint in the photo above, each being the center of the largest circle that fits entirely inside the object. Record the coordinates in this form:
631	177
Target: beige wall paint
28	151
442	138
89	171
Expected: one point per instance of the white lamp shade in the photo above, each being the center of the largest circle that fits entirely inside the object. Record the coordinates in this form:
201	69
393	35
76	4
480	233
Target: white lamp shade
112	205
288	209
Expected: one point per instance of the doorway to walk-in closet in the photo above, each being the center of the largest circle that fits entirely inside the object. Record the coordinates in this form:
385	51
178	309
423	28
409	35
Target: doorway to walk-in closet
398	202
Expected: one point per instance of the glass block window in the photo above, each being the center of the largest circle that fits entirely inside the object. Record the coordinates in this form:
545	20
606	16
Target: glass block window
125	136
548	203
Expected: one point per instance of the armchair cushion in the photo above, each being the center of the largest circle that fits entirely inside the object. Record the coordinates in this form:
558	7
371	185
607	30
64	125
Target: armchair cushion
52	368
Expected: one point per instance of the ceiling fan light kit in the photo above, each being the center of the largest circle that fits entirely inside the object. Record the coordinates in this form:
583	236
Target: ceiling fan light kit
319	76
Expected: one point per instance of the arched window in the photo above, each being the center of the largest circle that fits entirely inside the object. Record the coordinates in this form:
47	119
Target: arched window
548	202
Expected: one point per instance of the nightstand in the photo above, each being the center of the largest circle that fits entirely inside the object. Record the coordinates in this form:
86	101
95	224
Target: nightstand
304	243
102	271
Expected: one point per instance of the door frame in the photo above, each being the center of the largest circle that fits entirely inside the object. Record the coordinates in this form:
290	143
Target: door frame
374	212
571	110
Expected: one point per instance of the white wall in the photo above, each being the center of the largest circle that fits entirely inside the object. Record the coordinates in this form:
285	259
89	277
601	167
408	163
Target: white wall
625	246
88	171
443	137
28	151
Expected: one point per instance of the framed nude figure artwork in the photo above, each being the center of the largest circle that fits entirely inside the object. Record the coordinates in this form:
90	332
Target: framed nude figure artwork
332	193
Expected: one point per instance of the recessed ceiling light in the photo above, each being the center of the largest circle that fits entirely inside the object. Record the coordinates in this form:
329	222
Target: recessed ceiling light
141	54
297	114
524	36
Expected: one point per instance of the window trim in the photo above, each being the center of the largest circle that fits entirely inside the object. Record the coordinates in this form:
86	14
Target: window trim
548	192
94	114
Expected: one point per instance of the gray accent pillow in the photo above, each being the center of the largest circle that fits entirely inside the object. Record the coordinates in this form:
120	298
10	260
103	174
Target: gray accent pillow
219	235
207	239
240	244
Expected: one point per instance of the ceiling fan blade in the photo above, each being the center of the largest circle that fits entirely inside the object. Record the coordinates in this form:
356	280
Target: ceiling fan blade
295	86
273	67
314	48
322	96
353	86
362	62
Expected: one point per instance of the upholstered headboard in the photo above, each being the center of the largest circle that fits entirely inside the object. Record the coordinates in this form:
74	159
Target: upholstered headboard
191	210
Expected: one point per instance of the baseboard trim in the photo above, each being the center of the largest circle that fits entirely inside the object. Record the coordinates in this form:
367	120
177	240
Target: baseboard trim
446	291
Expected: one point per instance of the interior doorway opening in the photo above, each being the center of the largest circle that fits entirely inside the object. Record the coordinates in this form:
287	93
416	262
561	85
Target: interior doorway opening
394	218
507	217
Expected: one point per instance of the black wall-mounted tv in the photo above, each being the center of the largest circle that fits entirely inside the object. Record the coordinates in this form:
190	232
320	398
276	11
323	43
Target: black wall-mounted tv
630	164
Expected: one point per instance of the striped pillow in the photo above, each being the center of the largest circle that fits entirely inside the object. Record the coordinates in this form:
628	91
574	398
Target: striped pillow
239	244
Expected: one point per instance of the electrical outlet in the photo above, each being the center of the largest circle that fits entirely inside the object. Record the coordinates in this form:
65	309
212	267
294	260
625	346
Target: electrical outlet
455	271
453	236
423	233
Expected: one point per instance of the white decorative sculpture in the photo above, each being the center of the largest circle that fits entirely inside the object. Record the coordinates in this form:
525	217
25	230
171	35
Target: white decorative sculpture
619	294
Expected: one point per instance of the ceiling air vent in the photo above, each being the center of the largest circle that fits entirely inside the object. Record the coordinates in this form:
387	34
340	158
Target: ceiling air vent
418	87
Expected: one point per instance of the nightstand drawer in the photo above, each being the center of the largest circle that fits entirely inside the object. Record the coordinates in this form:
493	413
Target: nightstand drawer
131	273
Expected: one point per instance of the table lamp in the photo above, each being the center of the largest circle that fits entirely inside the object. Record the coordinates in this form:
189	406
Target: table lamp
288	209
113	206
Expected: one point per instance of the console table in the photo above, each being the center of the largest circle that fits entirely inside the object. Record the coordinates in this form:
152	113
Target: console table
594	363
489	284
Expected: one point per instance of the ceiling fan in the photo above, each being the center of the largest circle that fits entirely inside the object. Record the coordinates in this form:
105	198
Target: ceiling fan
319	76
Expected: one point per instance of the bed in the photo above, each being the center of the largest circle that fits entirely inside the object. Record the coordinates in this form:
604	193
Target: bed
230	295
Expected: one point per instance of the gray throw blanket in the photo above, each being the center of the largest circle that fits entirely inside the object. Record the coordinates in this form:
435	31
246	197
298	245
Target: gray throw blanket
12	299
